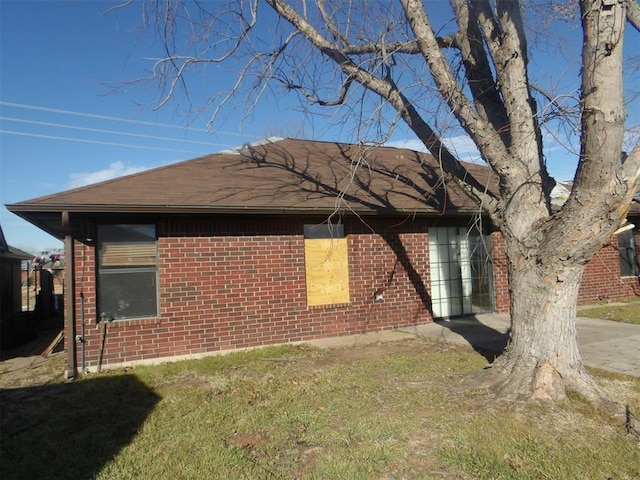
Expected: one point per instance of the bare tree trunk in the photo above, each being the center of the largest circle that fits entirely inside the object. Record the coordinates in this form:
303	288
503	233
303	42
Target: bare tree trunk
492	99
547	257
543	359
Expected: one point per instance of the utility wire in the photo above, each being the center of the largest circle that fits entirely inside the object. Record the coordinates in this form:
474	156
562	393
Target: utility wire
117	119
70	139
113	132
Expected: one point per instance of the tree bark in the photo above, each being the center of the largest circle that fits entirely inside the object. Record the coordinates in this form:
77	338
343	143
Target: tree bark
546	256
542	359
492	99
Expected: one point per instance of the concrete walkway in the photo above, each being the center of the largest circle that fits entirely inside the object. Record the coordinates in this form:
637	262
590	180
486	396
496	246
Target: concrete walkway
612	346
604	344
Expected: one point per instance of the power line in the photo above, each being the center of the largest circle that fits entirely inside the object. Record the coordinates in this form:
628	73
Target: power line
117	119
70	139
113	132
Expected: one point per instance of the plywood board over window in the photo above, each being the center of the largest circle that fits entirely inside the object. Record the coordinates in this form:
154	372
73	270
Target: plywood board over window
326	265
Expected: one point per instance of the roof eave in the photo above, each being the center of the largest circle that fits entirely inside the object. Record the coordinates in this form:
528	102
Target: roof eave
36	213
21	208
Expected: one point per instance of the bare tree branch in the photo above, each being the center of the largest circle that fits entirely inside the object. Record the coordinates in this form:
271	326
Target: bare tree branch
117	7
409	47
315	99
633	13
505	41
330	24
486	138
478	70
386	89
392	61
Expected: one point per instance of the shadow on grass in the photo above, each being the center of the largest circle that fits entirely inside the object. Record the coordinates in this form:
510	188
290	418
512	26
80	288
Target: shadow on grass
70	431
487	341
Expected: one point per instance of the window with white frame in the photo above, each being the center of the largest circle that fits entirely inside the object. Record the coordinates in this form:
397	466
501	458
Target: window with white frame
628	254
127	271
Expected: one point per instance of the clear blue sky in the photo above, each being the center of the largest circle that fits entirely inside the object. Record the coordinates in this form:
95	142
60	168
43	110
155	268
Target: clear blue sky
61	125
57	58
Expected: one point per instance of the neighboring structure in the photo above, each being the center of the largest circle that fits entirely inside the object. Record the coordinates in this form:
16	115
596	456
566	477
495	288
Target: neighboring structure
280	242
14	325
46	277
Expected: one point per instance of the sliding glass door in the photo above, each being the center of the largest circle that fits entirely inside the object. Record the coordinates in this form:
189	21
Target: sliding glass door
461	275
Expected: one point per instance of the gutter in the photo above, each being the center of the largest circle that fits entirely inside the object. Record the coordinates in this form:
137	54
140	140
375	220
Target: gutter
71	371
21	208
44	216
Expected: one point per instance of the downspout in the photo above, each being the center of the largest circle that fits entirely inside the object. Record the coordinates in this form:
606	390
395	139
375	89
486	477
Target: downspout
69	301
80	338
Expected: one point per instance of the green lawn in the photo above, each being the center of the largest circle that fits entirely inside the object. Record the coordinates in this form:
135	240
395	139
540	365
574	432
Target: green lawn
386	411
628	312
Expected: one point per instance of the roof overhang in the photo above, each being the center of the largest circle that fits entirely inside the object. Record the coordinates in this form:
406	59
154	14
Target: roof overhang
283	177
50	217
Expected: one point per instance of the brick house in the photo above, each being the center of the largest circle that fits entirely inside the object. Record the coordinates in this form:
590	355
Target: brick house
14	326
278	242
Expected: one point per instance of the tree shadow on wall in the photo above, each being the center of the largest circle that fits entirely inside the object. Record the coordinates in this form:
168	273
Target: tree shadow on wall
349	178
352	181
70	431
395	242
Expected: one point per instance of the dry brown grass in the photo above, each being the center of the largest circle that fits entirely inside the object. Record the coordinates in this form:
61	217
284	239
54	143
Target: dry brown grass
387	411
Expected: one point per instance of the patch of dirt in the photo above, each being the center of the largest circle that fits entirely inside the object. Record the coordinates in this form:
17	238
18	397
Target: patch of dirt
32	371
26	366
247	441
37	362
373	351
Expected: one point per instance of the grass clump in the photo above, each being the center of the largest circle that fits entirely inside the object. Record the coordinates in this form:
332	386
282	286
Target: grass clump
627	311
382	411
509	445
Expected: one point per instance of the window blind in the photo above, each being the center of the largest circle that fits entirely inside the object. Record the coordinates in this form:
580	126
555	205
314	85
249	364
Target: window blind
128	254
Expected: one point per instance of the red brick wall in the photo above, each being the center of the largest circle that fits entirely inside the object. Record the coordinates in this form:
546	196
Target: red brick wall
219	291
601	280
85	284
222	291
500	274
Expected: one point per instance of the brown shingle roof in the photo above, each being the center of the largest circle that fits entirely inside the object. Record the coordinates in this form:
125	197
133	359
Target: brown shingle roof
277	177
